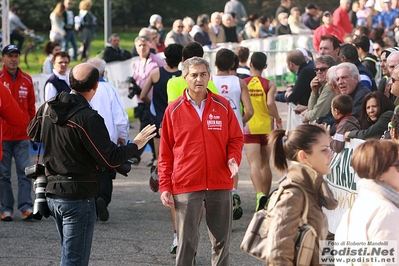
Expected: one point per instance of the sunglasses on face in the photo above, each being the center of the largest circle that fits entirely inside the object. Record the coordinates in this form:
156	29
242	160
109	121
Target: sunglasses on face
321	69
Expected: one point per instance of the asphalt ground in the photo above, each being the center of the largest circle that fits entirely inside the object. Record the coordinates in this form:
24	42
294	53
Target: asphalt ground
138	232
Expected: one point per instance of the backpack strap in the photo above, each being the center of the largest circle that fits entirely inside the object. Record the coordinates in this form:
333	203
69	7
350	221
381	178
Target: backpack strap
286	183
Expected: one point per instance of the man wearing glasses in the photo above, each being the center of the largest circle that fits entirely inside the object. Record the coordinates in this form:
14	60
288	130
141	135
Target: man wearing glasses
176	34
321	96
58	81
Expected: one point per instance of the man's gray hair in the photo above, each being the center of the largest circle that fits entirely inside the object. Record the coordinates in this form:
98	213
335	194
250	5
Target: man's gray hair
155	18
326	59
194	61
98	63
353	71
188	21
392	55
112	35
331	76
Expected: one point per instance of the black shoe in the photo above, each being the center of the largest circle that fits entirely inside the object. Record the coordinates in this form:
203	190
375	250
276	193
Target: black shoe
135	161
102	211
150	163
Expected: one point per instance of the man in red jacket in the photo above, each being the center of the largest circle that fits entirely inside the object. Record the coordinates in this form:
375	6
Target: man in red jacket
15	139
341	17
328	28
200	150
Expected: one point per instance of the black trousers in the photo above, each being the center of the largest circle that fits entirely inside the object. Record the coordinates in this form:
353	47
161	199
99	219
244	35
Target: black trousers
15	36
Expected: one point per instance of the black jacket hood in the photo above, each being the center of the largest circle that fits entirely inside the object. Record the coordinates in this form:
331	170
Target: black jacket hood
64	105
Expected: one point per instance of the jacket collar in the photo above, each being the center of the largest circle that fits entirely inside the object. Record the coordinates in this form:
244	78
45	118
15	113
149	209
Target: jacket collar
304	175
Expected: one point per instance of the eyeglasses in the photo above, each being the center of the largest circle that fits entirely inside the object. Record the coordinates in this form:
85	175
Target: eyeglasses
322	69
396	165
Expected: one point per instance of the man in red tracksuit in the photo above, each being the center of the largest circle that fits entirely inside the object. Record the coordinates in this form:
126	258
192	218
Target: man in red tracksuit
200	150
15	139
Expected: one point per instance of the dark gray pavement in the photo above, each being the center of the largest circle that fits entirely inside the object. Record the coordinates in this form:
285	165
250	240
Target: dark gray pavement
138	232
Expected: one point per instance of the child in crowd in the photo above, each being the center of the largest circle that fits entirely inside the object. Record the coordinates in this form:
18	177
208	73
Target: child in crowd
341	109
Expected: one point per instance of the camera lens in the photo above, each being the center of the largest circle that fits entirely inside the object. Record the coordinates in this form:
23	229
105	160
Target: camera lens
40	207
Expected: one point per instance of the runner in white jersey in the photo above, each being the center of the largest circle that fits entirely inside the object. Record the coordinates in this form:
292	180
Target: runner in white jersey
235	90
229	87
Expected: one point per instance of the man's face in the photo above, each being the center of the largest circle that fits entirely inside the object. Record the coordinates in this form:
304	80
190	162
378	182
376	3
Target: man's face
197	79
347	5
392	62
290	66
178	27
321	71
327	20
68	4
296	14
11	61
143	48
61	65
216	19
228	22
326	48
159	25
346	83
115	41
313	11
384	67
377	50
395	82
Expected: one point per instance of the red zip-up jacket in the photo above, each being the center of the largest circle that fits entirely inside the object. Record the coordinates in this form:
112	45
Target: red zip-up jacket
23	92
9	112
194	153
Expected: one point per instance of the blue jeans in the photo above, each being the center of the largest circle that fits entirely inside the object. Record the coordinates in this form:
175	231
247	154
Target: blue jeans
74	219
70	37
20	151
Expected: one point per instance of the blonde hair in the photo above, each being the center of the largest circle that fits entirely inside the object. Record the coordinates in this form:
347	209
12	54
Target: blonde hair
85	4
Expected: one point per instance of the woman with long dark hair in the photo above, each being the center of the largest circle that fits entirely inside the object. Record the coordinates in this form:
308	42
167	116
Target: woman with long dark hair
377	111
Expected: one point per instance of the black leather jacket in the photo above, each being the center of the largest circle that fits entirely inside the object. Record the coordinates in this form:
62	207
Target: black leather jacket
76	142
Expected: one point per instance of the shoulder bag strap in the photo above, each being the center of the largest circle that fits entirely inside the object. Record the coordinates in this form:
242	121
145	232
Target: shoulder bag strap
41	133
306	205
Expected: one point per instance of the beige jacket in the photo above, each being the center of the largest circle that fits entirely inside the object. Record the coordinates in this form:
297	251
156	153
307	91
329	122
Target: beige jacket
285	216
219	38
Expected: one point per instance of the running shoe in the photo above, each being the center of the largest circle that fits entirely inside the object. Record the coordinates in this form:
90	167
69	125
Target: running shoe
261	202
237	210
173	247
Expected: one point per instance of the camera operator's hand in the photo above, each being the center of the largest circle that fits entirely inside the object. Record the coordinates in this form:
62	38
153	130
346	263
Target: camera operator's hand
144	136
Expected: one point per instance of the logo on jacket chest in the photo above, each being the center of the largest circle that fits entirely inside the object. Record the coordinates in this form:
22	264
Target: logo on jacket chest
23	91
214	122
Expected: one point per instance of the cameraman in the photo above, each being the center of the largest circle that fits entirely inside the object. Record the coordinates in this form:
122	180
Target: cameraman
141	71
76	142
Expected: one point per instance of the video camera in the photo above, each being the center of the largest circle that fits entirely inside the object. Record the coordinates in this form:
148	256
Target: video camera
134	89
124	168
40	207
